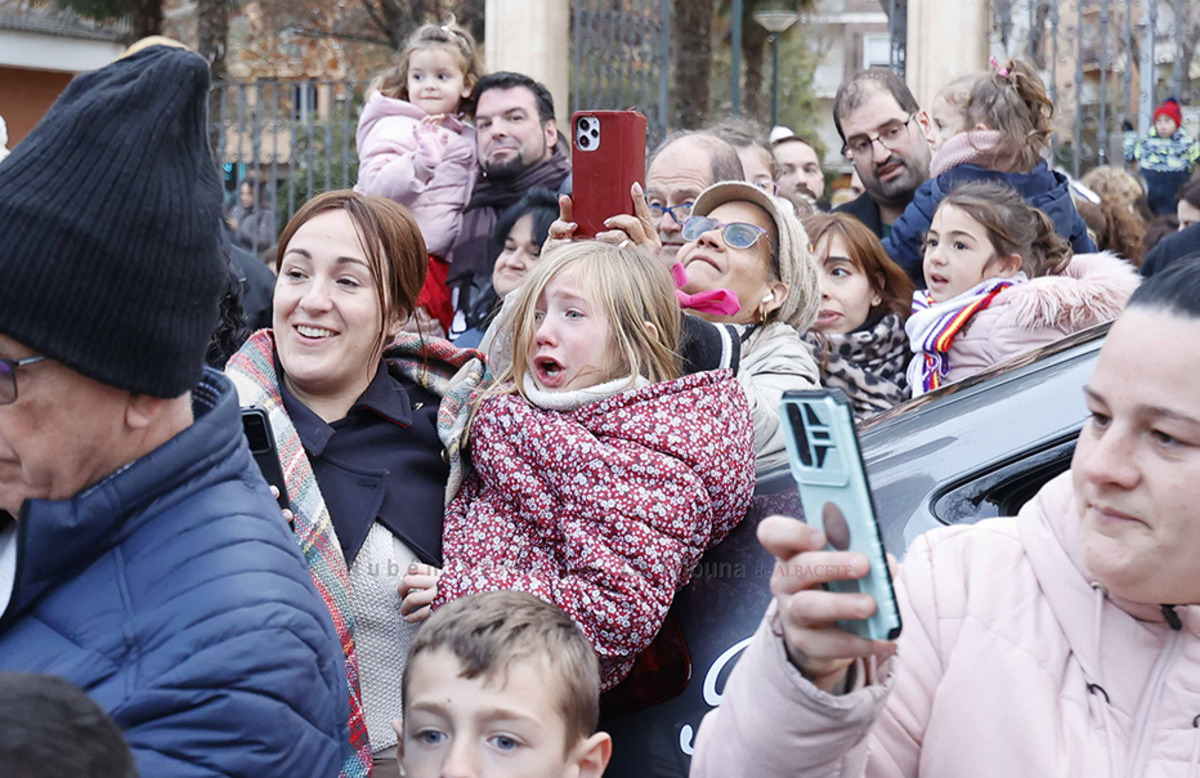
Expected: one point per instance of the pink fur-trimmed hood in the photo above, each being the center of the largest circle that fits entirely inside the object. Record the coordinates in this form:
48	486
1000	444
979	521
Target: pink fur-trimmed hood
1093	289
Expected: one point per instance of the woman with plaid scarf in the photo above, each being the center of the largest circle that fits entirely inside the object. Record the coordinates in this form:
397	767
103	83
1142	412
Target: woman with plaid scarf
354	407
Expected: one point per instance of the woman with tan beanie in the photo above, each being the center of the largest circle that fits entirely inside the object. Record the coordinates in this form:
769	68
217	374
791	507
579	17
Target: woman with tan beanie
750	261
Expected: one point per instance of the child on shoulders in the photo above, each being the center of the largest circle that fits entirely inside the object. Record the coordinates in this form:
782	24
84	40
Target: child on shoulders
415	147
1007	128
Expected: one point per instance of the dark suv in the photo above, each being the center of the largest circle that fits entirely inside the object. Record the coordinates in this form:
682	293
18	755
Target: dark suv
975	449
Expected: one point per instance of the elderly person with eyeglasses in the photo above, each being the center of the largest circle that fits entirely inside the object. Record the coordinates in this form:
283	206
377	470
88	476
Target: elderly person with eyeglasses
142	557
746	273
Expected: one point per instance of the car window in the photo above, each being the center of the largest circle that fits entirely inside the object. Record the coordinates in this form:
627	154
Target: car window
1004	490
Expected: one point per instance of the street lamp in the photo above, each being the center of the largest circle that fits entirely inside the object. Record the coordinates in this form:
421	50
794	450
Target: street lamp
775	22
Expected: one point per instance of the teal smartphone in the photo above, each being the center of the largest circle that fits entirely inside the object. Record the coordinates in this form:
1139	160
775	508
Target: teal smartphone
825	460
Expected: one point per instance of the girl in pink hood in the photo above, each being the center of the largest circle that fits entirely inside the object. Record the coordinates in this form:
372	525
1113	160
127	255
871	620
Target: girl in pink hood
1064	641
999	283
601	474
415	147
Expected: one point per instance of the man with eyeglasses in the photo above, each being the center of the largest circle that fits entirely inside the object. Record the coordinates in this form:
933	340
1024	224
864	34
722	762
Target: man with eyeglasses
142	556
683	166
886	136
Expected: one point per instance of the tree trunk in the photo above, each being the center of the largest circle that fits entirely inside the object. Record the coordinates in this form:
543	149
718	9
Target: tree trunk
693	54
145	18
754	50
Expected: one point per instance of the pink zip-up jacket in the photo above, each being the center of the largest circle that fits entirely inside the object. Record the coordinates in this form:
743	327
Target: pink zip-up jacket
1013	662
1092	290
430	172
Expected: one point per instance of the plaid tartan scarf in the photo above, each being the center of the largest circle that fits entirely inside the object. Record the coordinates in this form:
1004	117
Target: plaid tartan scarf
452	373
933	326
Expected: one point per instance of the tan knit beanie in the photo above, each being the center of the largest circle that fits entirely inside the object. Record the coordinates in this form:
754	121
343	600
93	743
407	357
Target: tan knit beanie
795	264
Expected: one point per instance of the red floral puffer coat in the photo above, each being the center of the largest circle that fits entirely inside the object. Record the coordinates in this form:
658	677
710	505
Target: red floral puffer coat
603	511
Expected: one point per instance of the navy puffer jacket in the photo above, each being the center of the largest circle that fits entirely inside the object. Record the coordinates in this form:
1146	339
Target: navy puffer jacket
1041	187
174	594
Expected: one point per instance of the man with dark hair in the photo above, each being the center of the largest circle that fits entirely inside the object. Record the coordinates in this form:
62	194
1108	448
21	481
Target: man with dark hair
886	136
142	556
519	148
798	165
50	729
683	166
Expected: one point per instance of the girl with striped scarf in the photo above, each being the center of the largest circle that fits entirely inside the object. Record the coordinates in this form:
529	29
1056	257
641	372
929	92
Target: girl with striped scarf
1000	283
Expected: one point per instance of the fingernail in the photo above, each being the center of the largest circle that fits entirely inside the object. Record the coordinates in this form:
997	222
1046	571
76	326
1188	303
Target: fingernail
637	187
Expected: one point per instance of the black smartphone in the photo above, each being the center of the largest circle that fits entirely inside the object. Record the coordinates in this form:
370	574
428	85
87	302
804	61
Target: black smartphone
257	427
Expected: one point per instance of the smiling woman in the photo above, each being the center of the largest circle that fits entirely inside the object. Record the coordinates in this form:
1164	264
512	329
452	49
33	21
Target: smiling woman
1077	617
353	408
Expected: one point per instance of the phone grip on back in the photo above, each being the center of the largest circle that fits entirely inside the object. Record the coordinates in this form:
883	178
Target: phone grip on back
826	463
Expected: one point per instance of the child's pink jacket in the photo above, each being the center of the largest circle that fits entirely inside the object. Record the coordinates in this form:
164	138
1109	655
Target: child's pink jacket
603	511
1013	662
431	178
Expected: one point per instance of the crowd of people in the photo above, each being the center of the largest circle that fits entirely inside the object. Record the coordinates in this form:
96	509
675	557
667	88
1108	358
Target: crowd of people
505	449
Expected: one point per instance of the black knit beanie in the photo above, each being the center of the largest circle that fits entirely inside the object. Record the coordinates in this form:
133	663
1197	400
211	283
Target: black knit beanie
110	214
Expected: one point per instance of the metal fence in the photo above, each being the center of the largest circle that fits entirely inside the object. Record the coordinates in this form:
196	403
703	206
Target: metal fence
295	138
620	58
1105	62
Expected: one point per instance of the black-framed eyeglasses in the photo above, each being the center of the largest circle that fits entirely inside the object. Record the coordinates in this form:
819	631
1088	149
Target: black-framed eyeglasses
889	137
679	213
8	377
738	235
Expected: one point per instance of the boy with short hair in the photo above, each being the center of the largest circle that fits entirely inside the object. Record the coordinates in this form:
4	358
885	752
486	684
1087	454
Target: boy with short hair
49	728
504	684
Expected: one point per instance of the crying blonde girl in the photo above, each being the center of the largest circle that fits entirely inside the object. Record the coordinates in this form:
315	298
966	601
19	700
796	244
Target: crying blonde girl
601	473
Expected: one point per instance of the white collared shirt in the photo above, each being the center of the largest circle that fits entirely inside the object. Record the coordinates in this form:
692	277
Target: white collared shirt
8	563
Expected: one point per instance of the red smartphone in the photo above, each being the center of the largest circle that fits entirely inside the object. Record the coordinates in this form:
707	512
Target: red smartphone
608	154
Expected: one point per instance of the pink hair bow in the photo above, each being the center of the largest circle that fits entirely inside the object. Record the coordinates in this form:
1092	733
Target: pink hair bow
721	302
1000	71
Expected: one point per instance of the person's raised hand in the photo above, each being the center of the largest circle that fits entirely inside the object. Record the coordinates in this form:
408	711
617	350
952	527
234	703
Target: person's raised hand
288	516
807	612
562	229
417	590
420	322
638	229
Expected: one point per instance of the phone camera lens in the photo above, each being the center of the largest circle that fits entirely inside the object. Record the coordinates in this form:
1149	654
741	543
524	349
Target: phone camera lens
584	141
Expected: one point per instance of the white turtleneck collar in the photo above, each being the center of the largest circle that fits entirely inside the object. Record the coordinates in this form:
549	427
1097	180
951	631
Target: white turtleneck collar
577	398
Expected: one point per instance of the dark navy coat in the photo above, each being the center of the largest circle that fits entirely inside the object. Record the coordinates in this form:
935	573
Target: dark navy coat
173	593
1041	187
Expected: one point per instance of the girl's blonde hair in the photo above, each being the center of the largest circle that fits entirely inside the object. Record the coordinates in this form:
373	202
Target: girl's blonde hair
628	286
1013	226
1012	100
394	82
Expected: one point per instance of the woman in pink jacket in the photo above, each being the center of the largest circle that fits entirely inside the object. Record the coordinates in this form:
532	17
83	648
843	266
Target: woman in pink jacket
1062	642
1000	283
415	147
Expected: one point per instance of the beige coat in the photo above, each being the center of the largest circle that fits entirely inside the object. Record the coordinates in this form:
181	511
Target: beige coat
774	360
